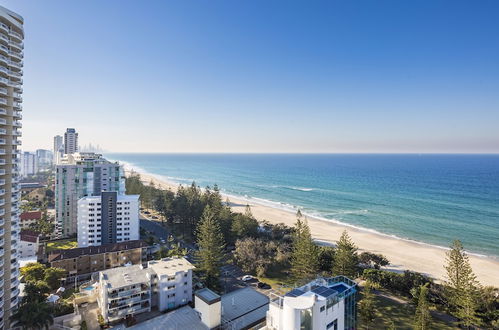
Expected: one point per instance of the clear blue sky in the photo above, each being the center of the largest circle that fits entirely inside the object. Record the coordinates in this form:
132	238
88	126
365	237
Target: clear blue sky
263	76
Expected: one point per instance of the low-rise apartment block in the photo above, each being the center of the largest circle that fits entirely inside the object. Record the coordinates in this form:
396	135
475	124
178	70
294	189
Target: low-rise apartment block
128	291
30	217
88	260
29	243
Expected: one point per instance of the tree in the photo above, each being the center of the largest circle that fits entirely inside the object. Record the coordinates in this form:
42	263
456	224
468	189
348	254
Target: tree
211	248
53	276
326	258
305	254
461	285
33	272
367	305
34	315
255	254
36	291
346	259
373	260
422	318
244	226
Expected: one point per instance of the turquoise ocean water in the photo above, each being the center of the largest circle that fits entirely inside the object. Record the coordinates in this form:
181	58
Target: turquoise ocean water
431	199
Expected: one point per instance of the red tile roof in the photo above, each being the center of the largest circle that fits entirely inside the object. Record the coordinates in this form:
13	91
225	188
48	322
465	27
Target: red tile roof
31	215
29	235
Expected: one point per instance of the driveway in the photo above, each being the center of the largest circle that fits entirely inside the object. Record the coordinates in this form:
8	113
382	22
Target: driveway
89	314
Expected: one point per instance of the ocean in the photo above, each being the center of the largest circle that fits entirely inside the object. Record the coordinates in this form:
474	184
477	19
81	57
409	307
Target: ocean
432	199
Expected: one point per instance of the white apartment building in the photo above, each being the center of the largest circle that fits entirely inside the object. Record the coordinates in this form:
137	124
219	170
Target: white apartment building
28	164
11	88
70	141
28	244
108	218
80	175
322	304
131	290
58	148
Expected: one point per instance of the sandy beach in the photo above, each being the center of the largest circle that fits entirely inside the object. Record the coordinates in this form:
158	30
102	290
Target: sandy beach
403	254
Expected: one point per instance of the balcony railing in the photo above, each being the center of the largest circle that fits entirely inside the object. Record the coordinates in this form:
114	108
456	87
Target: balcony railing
16	35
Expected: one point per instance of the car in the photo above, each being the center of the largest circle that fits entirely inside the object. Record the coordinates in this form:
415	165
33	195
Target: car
147	212
247	278
155	217
262	285
163	241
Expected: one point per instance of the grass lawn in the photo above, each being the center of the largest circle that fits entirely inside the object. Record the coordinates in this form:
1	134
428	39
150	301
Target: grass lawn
401	314
277	277
62	244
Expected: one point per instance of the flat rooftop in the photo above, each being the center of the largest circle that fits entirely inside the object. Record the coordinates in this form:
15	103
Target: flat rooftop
244	307
207	296
182	318
170	266
125	276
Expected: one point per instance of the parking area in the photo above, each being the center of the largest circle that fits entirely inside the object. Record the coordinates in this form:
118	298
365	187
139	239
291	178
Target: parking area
232	279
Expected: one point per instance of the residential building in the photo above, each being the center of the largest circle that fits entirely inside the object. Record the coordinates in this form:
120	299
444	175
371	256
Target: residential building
29	243
325	303
43	159
29	217
240	309
28	164
85	261
58	148
183	318
11	64
127	291
79	175
108	218
70	141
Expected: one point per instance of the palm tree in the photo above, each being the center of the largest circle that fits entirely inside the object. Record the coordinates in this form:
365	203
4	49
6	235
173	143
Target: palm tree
36	315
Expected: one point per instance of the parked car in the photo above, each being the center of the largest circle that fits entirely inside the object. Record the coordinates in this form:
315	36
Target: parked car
147	212
263	285
247	278
155	217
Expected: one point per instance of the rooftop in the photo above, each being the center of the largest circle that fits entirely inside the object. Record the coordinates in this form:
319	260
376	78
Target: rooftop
207	296
92	250
170	266
182	318
31	215
244	307
125	276
29	235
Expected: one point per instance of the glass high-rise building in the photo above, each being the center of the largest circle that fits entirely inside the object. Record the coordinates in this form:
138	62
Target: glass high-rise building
11	88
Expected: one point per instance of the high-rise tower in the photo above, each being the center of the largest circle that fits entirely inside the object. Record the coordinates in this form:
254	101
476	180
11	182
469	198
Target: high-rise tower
70	141
11	64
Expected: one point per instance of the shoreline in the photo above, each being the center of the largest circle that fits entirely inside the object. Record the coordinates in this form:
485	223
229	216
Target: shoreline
403	254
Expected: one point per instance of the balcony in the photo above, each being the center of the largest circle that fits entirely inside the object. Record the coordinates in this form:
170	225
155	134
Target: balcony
4	50
17	124
4	70
16	35
16	75
2	252
3	111
17	45
3	91
2	212
4	81
15	54
4	38
16	133
2	203
2	152
4	28
3	141
2	222
2	192
17	115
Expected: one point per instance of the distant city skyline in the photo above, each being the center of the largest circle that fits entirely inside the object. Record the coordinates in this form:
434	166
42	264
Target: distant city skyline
155	76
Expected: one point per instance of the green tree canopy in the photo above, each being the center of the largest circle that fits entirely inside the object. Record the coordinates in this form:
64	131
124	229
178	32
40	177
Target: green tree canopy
346	259
210	255
461	285
422	318
305	254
